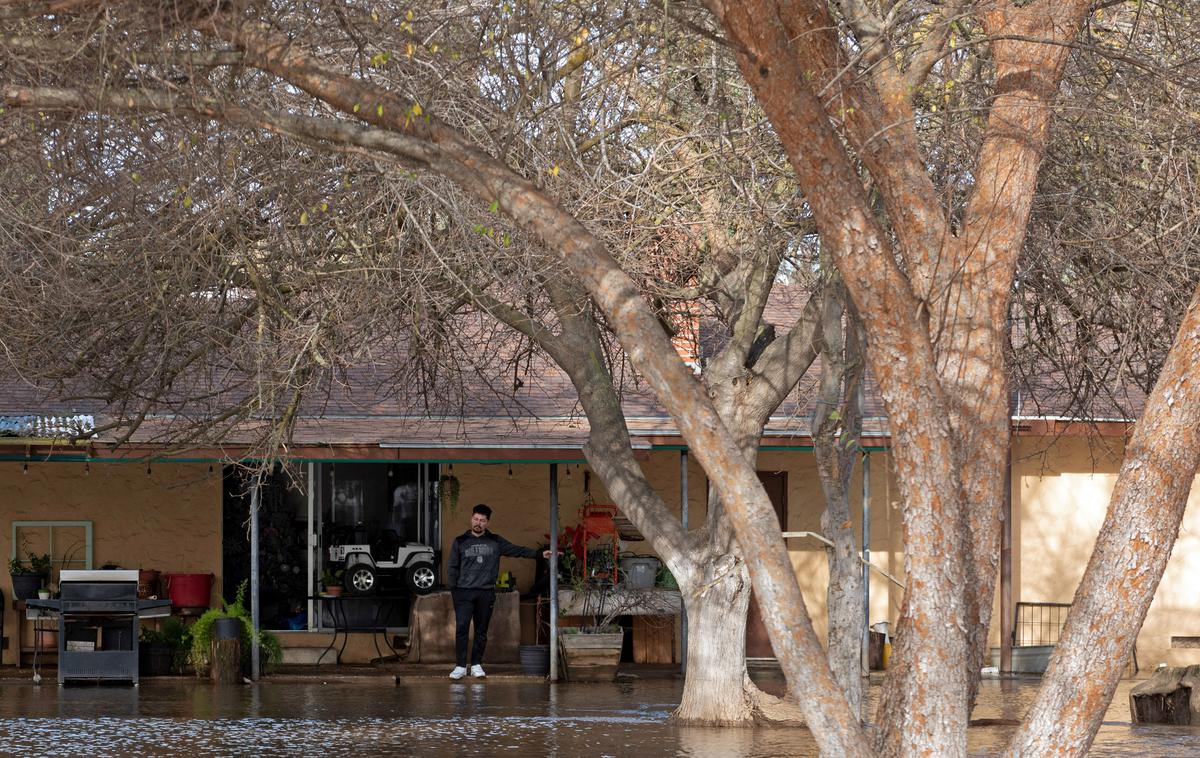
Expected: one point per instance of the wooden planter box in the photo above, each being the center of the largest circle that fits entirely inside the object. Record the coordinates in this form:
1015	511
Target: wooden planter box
589	657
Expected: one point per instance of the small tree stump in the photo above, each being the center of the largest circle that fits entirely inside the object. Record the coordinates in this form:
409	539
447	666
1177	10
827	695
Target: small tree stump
1167	697
226	666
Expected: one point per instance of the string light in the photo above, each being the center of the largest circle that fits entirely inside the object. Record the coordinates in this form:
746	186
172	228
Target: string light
87	468
510	472
24	468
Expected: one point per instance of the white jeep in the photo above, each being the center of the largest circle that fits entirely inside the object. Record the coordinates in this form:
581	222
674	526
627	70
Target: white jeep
368	565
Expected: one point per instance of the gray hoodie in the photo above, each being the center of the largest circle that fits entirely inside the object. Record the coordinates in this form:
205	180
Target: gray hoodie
475	561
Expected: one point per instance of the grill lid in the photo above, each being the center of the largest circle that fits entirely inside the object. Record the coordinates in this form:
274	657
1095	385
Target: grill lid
98	575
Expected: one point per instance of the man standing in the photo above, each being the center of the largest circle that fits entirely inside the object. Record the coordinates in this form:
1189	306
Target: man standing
474	566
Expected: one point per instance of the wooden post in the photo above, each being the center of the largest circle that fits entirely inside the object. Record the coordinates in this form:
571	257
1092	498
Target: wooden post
683	519
226	665
866	553
1006	595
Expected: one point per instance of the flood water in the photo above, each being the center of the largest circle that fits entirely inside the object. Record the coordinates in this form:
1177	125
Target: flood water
428	717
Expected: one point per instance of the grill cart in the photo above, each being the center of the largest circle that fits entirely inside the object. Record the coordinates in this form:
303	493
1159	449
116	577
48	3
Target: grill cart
98	615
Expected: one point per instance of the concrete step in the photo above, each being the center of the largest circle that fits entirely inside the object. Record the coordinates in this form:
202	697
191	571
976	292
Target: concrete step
308	656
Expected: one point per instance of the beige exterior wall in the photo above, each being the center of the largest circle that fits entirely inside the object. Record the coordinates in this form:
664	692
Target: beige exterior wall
169	520
1061	491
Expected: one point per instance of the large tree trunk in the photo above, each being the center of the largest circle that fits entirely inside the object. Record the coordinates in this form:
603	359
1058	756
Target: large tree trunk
1128	561
713	692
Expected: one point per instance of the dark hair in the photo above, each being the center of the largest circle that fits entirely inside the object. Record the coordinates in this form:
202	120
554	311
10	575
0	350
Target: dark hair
484	509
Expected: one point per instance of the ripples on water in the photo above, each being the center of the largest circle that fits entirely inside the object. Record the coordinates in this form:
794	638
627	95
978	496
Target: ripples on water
440	718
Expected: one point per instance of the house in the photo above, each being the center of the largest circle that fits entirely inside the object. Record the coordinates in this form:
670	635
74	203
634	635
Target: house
356	458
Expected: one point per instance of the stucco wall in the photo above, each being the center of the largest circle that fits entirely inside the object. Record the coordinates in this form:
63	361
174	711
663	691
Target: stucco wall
169	520
1061	493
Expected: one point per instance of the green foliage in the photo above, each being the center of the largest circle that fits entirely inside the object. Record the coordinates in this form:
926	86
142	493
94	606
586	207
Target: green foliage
202	632
665	578
38	564
331	578
448	492
173	634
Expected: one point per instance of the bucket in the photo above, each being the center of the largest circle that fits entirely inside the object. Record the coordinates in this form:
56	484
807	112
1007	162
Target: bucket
188	590
227	628
535	659
640	571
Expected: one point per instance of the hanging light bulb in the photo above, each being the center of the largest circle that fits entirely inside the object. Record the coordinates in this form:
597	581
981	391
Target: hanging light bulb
510	471
210	468
147	469
25	468
87	468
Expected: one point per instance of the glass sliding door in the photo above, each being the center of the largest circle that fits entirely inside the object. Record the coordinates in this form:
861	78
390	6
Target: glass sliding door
378	505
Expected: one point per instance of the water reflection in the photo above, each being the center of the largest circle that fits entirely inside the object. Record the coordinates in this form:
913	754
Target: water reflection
436	717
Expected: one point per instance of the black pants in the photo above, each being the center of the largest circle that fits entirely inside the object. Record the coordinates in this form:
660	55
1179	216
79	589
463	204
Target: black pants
471	606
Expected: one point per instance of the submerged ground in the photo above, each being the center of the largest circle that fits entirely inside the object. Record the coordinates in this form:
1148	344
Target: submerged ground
435	717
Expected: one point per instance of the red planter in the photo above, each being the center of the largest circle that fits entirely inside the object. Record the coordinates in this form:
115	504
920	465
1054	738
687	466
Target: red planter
188	590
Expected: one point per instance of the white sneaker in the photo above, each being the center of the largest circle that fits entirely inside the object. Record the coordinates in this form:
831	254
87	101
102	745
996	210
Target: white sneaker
477	671
459	672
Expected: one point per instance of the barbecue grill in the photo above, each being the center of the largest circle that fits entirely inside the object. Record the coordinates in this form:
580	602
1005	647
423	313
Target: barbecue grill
98	624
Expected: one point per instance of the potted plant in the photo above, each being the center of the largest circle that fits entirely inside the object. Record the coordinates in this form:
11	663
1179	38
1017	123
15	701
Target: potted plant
590	653
28	579
164	651
448	492
332	581
204	631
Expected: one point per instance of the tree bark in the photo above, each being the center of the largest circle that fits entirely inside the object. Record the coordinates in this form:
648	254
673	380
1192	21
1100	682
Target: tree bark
714	692
1128	561
836	429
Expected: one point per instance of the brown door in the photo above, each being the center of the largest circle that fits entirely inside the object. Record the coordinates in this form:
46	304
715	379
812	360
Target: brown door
758	645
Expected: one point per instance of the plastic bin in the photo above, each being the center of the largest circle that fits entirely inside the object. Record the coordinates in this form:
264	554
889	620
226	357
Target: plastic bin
639	571
188	590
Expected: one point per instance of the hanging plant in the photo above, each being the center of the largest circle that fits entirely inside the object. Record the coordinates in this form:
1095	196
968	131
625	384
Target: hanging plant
448	492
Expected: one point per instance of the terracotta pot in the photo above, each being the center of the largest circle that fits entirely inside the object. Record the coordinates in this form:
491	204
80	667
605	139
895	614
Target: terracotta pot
147	583
334	591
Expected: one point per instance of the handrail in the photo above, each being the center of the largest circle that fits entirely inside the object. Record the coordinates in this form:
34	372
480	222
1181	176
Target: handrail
823	539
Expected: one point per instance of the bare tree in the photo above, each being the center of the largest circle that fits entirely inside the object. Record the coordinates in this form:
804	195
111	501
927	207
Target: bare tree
292	232
930	272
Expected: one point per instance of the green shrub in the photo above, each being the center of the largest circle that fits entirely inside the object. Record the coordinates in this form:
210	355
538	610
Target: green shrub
202	632
174	634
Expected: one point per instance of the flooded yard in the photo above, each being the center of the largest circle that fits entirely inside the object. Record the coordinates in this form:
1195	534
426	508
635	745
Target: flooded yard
434	717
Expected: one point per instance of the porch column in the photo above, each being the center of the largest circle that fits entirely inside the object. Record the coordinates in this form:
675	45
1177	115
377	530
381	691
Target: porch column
866	557
1006	598
554	572
683	518
254	583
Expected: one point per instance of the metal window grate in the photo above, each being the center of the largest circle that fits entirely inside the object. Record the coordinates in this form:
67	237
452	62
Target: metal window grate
1039	623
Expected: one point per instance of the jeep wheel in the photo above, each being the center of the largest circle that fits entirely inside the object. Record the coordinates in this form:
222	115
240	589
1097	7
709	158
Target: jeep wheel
360	579
420	578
